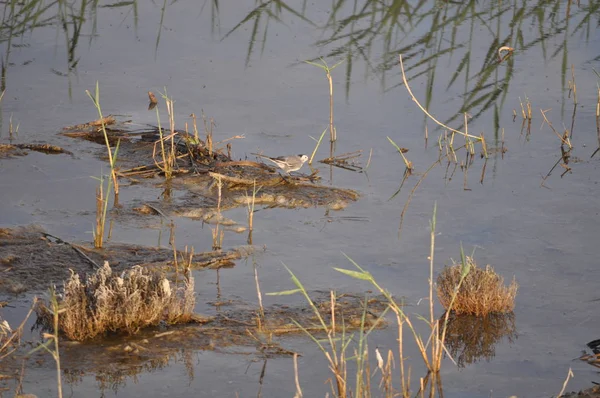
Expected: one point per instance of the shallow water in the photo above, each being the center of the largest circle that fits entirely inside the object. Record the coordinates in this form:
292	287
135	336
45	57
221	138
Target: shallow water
546	237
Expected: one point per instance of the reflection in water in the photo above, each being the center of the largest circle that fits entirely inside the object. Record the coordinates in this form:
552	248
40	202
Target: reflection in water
425	32
116	379
373	32
116	361
260	17
21	18
470	338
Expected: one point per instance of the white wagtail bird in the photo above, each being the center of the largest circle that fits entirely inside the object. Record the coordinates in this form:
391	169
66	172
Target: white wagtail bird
287	163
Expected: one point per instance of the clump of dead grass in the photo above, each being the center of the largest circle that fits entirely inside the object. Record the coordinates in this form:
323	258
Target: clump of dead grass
482	292
107	302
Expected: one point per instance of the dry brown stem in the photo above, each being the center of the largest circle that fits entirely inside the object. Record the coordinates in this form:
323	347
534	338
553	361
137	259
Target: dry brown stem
429	115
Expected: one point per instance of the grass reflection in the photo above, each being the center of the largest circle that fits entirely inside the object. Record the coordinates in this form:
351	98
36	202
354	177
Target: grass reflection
374	32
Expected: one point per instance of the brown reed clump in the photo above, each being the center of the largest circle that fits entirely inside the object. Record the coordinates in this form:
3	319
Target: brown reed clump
482	292
107	302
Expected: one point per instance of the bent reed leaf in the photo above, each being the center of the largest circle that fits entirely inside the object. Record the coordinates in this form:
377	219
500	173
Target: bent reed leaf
365	276
285	292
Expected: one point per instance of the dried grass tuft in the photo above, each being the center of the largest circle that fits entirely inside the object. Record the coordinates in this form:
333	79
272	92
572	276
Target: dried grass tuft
107	302
481	293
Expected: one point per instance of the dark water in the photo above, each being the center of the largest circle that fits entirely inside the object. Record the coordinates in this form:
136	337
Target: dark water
242	64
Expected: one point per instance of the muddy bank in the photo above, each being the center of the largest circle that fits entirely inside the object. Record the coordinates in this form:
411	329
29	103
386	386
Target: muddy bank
31	259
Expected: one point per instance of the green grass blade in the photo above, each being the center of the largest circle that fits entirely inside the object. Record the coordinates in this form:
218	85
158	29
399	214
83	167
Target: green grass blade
365	276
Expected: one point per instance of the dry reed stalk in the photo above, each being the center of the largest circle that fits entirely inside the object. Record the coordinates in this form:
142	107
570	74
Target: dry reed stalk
450	146
10	339
598	117
168	155
250	203
101	211
261	309
563	138
429	115
12	130
54	337
431	257
195	125
51	319
569	375
337	361
298	393
332	131
369	160
171	112
407	163
466	124
483	172
385	367
217	233
404	378
367	391
323	65
208	130
484	146
526	112
99	234
572	85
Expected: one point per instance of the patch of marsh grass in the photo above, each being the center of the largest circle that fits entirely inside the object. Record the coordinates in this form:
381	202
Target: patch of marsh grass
481	292
107	302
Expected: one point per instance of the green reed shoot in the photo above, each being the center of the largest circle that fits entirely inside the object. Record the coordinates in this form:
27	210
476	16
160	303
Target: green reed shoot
250	202
52	340
112	156
314	152
573	85
323	65
217	233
